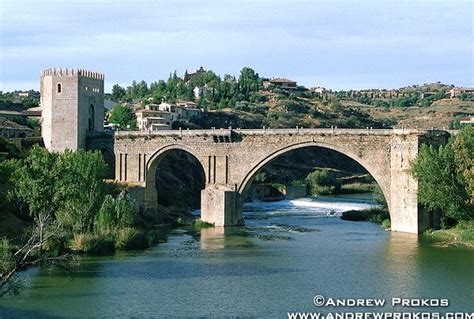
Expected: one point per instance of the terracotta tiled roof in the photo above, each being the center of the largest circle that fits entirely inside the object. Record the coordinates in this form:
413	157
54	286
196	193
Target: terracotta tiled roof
281	80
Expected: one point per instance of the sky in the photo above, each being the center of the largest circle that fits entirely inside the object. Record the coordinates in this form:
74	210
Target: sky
335	44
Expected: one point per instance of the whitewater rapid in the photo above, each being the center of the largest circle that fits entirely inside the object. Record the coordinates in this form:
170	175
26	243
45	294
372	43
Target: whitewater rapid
320	205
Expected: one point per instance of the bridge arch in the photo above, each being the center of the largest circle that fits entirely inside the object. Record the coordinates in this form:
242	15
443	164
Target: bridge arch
243	187
152	165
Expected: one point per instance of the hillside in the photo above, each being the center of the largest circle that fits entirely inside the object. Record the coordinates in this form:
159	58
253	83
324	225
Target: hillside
252	101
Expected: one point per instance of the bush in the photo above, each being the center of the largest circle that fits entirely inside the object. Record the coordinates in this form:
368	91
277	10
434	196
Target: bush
57	245
386	224
295	107
375	215
355	215
198	224
116	213
94	244
131	239
256	98
323	182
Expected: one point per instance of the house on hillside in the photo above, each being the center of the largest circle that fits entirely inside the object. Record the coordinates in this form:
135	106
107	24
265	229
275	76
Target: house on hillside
454	92
427	94
153	119
284	83
467	120
183	111
199	91
319	89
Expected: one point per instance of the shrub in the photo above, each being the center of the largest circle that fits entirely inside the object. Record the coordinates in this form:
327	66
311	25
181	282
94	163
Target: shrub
256	97
323	182
94	244
198	224
295	107
375	215
116	213
386	224
355	215
131	239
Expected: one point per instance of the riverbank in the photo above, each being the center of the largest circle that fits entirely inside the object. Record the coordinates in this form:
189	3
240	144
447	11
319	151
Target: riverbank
460	236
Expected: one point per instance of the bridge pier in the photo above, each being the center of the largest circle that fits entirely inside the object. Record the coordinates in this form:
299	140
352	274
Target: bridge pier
221	206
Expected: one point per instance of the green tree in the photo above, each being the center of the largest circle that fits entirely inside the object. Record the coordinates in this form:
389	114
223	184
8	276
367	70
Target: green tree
336	106
81	185
116	213
323	182
35	184
248	81
123	116
118	93
445	177
463	147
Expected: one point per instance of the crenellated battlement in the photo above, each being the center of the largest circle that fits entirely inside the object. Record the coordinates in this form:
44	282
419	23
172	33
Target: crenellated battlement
72	72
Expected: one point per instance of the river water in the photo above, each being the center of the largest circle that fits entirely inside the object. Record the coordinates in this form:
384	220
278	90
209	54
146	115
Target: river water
288	252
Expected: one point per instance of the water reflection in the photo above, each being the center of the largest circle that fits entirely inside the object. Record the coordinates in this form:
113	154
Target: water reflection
400	257
218	238
278	262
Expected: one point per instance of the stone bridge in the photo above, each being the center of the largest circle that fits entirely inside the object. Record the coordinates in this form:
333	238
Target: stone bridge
231	159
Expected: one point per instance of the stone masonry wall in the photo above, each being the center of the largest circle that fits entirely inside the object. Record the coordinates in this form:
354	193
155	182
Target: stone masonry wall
231	158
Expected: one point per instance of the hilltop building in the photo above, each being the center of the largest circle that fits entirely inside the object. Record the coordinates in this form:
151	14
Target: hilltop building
183	111
282	83
454	92
319	89
467	120
72	107
188	75
153	119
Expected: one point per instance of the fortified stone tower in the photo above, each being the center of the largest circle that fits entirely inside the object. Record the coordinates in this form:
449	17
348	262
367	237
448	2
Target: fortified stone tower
72	103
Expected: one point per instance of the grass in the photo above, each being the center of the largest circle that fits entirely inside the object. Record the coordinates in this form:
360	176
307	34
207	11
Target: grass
355	188
94	244
131	239
460	235
199	224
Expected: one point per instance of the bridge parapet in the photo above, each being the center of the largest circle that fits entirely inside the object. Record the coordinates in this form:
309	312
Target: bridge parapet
266	131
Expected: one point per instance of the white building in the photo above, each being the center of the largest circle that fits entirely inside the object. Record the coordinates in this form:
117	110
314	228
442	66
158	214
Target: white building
153	119
183	111
458	91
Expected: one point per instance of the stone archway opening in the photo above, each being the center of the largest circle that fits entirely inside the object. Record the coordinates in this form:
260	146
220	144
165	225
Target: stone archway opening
289	170
174	180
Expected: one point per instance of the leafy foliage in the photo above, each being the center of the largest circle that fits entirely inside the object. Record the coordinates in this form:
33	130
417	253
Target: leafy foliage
123	116
445	177
116	213
323	182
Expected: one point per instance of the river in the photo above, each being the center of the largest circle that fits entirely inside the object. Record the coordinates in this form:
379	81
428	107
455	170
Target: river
287	253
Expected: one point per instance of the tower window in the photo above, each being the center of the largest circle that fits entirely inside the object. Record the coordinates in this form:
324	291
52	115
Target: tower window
60	88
